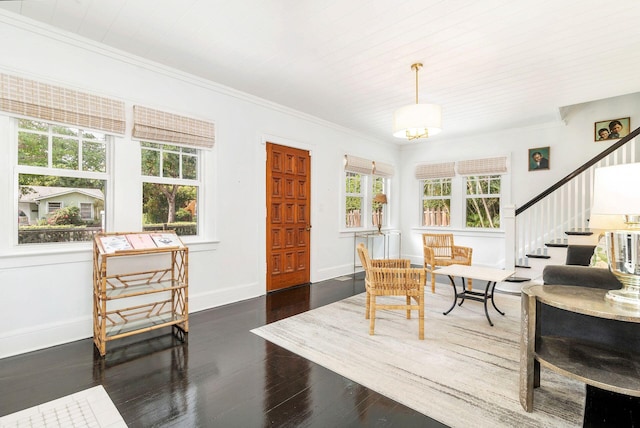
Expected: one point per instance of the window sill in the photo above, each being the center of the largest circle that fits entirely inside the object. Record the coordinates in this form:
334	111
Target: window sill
63	253
493	233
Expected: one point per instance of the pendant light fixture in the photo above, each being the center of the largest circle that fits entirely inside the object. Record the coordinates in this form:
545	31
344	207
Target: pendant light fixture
417	120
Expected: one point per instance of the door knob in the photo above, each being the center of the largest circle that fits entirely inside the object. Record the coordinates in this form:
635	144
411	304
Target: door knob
308	228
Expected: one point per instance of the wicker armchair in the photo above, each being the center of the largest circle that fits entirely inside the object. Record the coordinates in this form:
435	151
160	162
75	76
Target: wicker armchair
392	277
439	250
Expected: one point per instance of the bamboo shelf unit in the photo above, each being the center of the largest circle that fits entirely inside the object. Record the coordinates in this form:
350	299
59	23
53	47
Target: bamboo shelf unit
127	301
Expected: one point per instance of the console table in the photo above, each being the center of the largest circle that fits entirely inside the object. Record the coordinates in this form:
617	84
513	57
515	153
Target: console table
594	363
381	245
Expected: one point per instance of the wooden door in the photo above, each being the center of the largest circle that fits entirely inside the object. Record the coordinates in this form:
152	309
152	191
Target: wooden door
288	210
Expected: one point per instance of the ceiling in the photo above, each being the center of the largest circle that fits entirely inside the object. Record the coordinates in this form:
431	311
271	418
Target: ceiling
488	63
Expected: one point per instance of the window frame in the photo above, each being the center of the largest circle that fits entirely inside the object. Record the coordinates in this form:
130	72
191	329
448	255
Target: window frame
366	194
198	183
14	130
467	196
424	198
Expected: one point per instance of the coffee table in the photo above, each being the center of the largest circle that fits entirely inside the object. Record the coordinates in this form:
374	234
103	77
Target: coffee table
491	275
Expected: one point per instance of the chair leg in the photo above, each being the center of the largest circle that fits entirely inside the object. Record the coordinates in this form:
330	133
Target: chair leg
367	306
372	320
433	282
469	284
408	307
421	317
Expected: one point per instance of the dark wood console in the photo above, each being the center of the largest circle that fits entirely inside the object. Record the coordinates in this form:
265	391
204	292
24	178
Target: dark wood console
587	359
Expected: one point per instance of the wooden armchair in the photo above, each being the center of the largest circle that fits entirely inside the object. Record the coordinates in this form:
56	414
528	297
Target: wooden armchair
392	277
439	250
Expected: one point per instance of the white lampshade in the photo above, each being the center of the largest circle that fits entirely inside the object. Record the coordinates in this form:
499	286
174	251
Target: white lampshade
417	121
606	222
616	190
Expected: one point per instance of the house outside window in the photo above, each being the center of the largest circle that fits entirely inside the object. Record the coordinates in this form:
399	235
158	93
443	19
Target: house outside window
170	188
59	169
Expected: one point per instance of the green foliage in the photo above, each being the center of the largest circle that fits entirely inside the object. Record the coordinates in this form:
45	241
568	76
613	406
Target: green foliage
183	215
155	204
65	216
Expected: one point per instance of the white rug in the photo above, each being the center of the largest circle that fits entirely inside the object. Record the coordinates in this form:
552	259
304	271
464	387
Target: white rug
465	373
89	408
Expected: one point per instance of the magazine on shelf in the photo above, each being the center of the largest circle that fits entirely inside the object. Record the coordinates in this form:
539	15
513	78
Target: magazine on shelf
163	240
141	241
114	243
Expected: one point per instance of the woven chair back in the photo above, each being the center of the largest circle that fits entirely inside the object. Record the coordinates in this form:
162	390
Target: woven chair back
396	281
440	243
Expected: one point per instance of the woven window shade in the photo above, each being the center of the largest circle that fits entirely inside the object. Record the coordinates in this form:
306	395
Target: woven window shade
436	170
155	125
383	169
359	165
483	166
47	102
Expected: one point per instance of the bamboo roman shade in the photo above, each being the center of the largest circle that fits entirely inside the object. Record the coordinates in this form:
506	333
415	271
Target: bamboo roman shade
436	170
383	169
483	166
359	165
48	102
156	125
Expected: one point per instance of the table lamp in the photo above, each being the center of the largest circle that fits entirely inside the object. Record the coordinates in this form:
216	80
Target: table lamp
381	199
616	193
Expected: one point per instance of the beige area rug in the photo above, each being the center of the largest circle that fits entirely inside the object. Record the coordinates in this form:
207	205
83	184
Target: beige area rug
89	408
465	373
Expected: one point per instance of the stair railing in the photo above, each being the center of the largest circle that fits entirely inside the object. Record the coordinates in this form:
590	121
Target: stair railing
565	205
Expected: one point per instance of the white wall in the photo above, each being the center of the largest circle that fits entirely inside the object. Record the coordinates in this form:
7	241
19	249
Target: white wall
571	143
46	292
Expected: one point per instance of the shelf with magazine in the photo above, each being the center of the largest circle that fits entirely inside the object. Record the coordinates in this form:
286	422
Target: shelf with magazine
140	283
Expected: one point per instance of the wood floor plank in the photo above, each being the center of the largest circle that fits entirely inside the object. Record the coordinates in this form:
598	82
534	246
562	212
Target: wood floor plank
223	375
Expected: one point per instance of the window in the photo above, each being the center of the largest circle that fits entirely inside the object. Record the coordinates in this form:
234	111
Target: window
483	201
378	207
360	208
354	199
86	211
462	194
60	168
436	201
53	206
170	188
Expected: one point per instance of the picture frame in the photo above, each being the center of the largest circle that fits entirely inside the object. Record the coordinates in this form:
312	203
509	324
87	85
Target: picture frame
604	129
539	158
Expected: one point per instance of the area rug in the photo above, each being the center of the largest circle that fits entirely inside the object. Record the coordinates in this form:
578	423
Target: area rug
465	373
89	408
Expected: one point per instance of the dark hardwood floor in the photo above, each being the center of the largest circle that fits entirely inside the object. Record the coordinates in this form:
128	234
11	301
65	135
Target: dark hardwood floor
222	376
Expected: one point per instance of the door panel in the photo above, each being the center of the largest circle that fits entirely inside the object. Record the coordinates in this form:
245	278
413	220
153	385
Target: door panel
288	208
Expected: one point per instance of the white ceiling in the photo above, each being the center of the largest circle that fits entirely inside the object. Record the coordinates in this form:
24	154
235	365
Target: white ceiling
489	63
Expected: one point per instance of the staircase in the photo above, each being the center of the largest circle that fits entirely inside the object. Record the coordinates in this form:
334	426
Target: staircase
538	232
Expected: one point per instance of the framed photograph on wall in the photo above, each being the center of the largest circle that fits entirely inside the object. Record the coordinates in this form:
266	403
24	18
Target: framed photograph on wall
611	129
539	158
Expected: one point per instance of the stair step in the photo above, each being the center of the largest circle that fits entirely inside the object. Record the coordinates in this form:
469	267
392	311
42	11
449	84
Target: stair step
579	232
517	279
560	243
523	266
538	256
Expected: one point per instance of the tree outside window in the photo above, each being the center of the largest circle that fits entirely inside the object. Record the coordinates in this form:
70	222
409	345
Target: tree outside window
483	201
